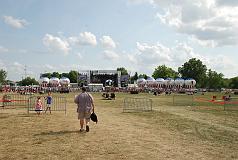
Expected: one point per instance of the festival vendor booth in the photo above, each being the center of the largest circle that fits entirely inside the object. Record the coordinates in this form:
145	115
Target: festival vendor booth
179	83
64	85
150	82
44	83
54	83
190	85
141	82
160	83
169	83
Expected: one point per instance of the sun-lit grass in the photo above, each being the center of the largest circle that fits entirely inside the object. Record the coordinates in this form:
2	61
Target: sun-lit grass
168	132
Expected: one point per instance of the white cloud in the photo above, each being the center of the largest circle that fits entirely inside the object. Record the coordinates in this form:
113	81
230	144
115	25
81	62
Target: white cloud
212	21
149	56
73	40
139	1
153	54
56	44
15	70
2	65
132	58
107	42
23	51
85	38
49	67
171	17
182	52
110	55
227	2
3	49
18	66
223	64
14	22
79	55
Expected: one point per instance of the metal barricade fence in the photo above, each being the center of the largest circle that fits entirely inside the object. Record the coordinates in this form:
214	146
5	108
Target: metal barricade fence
58	103
231	104
137	104
15	100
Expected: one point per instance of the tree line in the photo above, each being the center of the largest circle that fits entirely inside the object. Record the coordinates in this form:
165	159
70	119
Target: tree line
194	68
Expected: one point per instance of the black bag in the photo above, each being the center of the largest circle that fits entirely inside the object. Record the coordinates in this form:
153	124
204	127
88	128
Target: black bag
94	117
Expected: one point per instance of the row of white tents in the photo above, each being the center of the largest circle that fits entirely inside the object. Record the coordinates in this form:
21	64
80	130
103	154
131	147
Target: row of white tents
54	81
141	82
168	82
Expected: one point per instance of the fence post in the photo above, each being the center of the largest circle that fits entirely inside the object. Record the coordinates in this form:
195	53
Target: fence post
224	104
173	99
65	102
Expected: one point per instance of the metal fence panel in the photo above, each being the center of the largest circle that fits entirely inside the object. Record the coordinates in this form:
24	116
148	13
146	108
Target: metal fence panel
58	103
231	104
15	100
137	104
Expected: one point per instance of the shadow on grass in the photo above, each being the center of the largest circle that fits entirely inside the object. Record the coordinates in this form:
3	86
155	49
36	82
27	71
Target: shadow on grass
3	117
58	133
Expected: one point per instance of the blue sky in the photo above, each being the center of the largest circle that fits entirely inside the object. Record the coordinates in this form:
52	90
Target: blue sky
59	35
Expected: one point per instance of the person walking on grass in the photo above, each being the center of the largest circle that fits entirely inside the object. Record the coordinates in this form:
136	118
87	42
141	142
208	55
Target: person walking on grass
48	102
85	106
38	106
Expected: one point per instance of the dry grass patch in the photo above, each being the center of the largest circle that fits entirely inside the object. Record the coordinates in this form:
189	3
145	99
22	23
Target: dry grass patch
154	135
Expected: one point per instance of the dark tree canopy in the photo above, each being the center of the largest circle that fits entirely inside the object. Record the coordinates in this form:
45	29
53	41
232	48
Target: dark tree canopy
234	83
134	78
214	80
123	71
73	76
3	76
194	69
46	75
143	76
164	72
65	75
55	74
28	81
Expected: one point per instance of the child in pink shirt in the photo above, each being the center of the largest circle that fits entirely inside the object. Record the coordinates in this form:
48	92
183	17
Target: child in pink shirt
38	107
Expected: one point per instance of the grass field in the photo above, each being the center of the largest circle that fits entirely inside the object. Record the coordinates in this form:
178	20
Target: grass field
203	131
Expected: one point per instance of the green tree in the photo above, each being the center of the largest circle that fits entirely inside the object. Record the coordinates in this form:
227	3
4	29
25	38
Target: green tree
46	75
55	74
194	69
3	76
226	83
234	83
134	78
123	71
143	76
28	81
73	76
214	80
164	72
65	75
